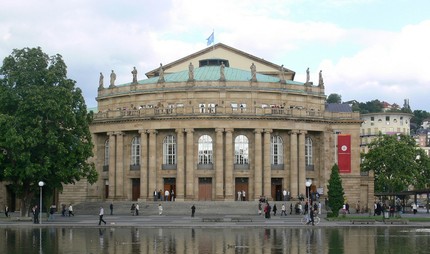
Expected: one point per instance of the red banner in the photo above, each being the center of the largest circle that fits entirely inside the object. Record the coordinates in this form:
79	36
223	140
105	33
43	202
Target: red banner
344	153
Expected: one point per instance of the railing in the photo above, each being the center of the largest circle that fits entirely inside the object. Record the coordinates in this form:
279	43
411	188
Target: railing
255	111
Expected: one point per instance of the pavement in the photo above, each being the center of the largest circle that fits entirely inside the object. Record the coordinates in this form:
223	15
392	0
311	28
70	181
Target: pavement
200	220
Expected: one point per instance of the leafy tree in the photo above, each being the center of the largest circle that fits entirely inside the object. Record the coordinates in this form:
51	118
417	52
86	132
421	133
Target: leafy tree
397	162
44	125
334	98
335	191
374	106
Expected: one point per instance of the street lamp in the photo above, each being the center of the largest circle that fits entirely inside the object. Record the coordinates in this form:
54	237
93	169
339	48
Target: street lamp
41	184
308	185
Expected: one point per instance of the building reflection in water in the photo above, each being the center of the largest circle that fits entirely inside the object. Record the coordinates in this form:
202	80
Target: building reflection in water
213	240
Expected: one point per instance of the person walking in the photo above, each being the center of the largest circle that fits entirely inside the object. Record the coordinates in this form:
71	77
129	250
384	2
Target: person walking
166	195
101	213
311	217
133	209
111	208
274	209
160	209
51	212
193	210
36	214
63	210
283	210
71	210
6	211
137	209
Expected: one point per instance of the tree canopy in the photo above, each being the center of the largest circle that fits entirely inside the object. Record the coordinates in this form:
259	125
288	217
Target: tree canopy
397	163
44	125
335	191
334	98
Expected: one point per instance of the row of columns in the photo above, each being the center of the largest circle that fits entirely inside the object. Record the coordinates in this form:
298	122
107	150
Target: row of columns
224	172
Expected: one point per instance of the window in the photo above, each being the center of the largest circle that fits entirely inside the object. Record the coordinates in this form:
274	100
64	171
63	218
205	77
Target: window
169	150
202	108
135	151
106	162
205	150
241	150
212	108
234	106
277	150
308	151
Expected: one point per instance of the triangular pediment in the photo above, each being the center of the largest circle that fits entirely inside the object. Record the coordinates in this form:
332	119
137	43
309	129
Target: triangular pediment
236	59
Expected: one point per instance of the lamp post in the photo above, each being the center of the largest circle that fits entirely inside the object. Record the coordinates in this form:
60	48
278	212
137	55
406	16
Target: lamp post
41	184
308	185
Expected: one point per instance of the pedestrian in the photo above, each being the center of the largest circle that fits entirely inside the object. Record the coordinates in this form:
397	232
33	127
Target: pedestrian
132	209
6	211
111	208
166	195
51	212
35	214
155	195
414	208
63	210
71	210
319	207
193	210
311	217
172	195
101	213
259	208
159	195
243	195
284	194
274	209
291	208
283	210
160	209
137	209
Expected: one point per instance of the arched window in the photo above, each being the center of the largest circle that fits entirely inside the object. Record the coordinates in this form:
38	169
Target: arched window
205	150
308	152
169	150
241	155
106	162
135	151
277	150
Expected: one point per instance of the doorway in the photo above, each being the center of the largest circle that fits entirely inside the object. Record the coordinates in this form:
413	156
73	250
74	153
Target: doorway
170	185
241	185
276	189
135	188
205	189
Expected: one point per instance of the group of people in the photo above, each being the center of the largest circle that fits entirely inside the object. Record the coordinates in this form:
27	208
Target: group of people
241	196
168	195
134	209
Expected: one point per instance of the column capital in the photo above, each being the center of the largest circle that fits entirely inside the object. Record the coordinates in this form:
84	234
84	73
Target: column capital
189	130
303	132
257	131
110	133
268	131
179	130
143	131
219	130
293	132
229	130
153	131
119	133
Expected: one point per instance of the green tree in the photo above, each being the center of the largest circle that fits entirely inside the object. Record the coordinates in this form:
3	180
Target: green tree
334	98
335	191
44	125
397	163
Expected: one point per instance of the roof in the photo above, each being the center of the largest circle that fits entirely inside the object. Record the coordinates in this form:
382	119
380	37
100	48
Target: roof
213	73
338	107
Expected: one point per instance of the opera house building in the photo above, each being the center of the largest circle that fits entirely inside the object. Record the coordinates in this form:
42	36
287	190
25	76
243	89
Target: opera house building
216	123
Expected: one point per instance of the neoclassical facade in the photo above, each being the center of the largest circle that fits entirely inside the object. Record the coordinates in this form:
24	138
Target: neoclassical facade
214	123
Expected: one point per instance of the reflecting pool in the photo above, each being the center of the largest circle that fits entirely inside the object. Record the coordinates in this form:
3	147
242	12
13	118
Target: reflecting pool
215	240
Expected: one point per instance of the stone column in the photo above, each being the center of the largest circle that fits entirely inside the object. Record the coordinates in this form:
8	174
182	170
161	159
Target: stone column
267	175
120	184
219	164
144	166
190	165
180	177
229	163
293	164
302	163
152	174
112	165
258	165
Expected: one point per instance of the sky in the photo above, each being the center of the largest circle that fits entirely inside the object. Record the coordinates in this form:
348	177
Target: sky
366	49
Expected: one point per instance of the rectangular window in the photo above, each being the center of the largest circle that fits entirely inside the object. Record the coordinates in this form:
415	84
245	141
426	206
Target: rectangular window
202	108
234	106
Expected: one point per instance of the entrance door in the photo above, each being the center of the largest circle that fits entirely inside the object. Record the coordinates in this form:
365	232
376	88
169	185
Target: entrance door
276	190
205	189
135	189
106	189
170	184
241	184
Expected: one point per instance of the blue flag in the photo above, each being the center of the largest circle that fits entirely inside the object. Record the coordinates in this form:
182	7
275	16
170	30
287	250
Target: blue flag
211	38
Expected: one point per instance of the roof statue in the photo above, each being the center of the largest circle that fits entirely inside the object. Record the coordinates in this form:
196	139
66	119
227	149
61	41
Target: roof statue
320	80
282	74
253	72
307	75
191	72
134	73
112	79
161	74
101	81
221	72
